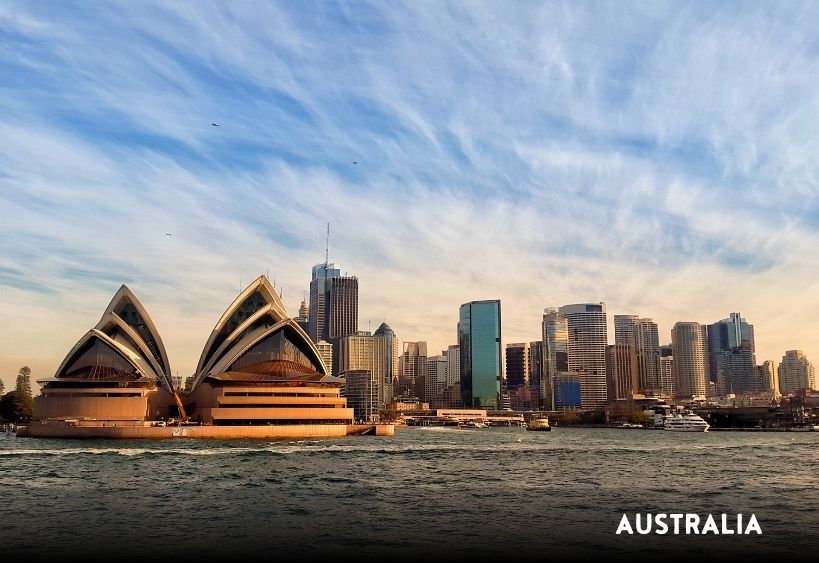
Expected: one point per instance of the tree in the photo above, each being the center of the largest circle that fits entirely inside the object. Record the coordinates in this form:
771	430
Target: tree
639	417
2	388
18	405
15	406
24	381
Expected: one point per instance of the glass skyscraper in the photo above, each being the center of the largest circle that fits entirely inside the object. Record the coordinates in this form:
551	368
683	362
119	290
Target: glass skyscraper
479	336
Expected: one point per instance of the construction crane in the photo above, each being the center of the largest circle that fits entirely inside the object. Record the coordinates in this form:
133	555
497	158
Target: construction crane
183	416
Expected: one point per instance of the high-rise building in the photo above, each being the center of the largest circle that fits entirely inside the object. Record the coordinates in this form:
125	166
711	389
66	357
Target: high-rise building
517	365
536	364
435	384
555	355
393	359
413	370
479	336
587	350
567	391
643	334
333	310
688	340
724	336
795	373
361	391
621	372
303	320
325	350
364	352
740	372
666	370
767	374
322	273
453	364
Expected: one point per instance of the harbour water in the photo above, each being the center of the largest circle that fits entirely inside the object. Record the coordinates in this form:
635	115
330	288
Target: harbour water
439	493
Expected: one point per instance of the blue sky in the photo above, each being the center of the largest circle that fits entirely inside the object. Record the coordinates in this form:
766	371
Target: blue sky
659	157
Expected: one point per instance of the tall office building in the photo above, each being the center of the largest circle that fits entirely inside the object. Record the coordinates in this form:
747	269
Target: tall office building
688	340
361	389
479	336
536	364
393	359
767	374
517	365
322	273
666	370
587	350
303	320
435	384
725	336
333	309
741	374
621	372
453	364
555	354
325	350
364	352
643	334
795	373
342	306
413	370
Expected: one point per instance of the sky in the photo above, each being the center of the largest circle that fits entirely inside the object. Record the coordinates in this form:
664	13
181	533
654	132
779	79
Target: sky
656	156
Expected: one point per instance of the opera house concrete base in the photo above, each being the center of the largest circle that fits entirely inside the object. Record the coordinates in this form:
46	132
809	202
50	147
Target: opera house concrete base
112	430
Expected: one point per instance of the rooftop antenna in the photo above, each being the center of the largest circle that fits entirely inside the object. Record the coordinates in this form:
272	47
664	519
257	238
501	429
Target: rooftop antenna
327	248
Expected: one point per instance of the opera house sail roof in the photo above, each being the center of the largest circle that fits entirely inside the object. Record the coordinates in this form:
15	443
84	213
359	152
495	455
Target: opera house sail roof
123	347
255	340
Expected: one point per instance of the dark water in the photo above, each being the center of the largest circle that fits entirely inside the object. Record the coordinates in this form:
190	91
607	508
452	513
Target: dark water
425	494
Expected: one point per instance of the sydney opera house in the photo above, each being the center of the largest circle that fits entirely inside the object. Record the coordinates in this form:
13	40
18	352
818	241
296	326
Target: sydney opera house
259	375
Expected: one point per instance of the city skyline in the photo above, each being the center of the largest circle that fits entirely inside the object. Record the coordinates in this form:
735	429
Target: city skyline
459	154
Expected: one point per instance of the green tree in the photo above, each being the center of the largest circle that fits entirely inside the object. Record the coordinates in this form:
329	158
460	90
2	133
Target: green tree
15	407
18	405
639	417
2	387
24	381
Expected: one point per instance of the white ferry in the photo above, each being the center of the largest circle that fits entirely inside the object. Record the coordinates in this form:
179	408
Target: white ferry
540	423
686	423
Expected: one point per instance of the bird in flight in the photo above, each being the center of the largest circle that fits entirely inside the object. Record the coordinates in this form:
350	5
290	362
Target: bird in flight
355	162
215	124
167	234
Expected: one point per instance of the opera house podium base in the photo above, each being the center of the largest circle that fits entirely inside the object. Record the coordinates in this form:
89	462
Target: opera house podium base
125	430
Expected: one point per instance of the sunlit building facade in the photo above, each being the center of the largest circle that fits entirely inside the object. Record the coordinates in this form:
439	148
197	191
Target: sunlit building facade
479	336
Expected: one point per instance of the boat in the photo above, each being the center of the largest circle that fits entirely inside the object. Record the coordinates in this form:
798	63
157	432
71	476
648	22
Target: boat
473	424
686	423
540	423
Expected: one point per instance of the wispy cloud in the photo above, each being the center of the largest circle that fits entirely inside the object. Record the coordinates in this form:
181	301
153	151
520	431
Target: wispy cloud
657	157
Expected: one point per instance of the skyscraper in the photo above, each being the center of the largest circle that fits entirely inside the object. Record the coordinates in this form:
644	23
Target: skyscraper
666	370
621	372
767	374
723	337
365	352
536	364
436	381
795	373
303	320
322	273
517	365
393	358
479	336
741	373
690	346
587	350
453	364
555	354
643	334
413	370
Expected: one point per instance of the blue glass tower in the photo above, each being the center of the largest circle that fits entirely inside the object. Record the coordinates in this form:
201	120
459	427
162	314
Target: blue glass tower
479	336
